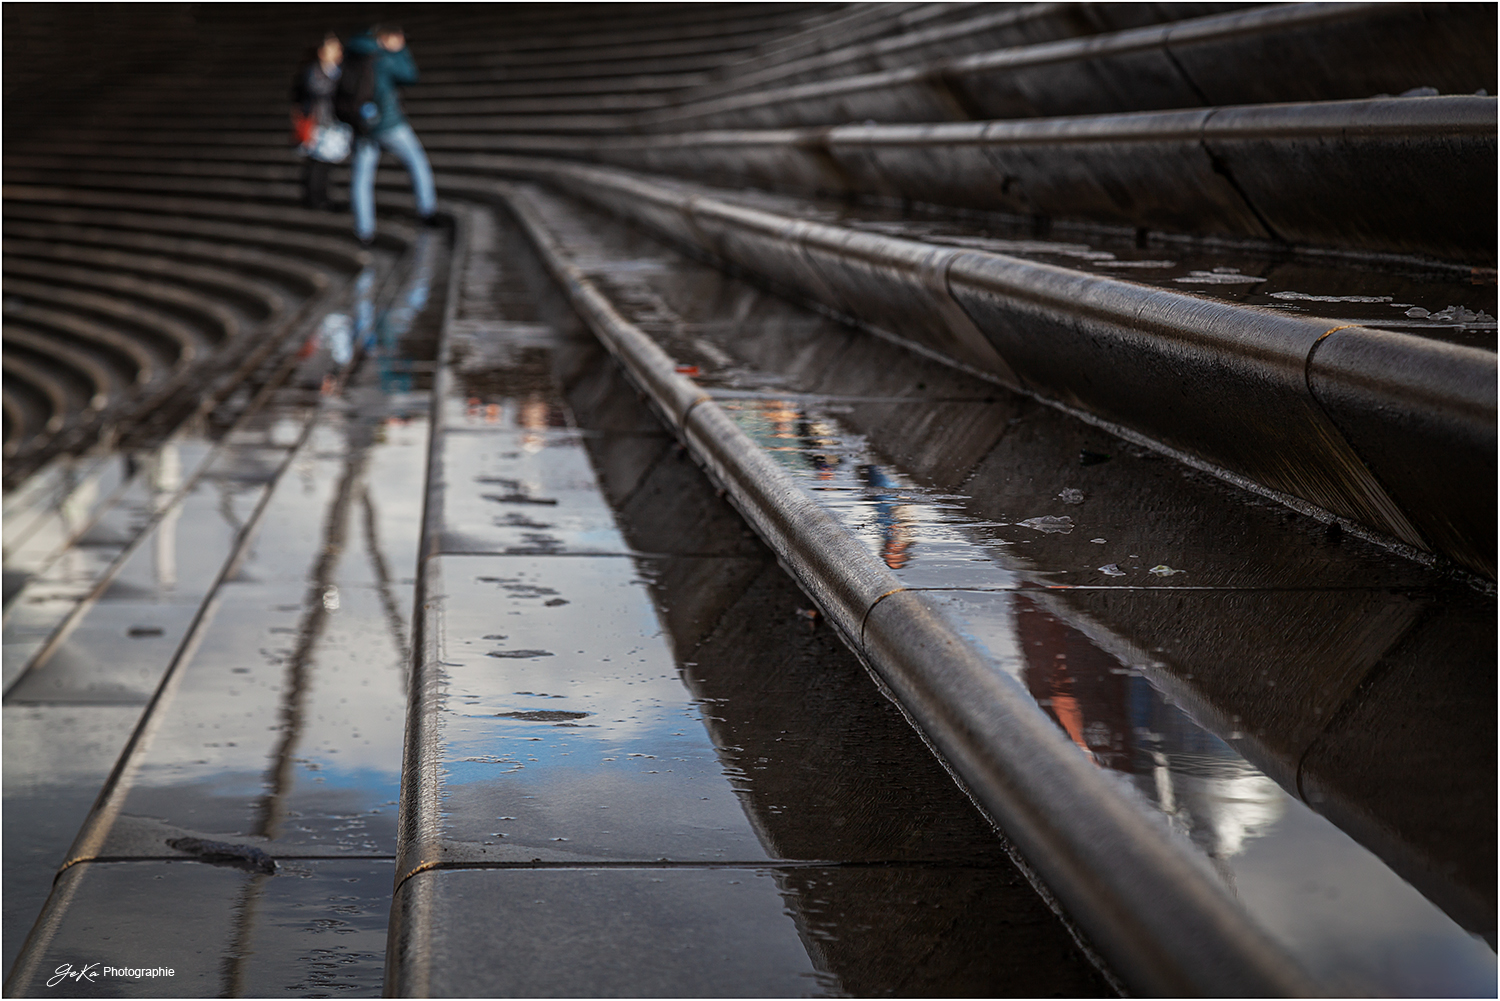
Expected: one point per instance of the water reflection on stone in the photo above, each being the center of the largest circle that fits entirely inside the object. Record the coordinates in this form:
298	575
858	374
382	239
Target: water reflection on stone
166	478
1207	789
1220	653
282	726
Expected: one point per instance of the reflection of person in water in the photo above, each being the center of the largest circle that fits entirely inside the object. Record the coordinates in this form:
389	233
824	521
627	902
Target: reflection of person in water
383	339
377	332
898	528
1211	793
817	435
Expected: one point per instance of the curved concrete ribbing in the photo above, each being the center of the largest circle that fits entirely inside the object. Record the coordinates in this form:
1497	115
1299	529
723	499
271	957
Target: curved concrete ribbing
981	28
286	244
1354	174
1421	415
168	284
18	426
143	364
1226	384
182	210
855	26
546	70
221	322
1344	49
1150	906
52	394
85	266
101	387
300	275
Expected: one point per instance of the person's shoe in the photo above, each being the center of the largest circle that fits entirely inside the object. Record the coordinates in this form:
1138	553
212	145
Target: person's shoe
431	221
366	241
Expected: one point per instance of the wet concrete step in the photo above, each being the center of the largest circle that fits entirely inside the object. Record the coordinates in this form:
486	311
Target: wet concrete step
335	252
1352	174
1002	27
622	719
63	264
224	381
84	567
1203	61
707	24
202	301
53	506
912	461
305	277
151	342
987	310
84	363
1400	642
309	565
945	32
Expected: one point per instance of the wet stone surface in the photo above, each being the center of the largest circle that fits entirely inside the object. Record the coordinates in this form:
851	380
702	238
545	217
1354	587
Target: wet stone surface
279	735
739	932
1159	721
1444	302
527	491
54	763
633	776
625	740
1202	641
316	928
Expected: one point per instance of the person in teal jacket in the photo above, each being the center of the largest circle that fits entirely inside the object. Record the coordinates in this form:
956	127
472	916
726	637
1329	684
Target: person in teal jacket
388	130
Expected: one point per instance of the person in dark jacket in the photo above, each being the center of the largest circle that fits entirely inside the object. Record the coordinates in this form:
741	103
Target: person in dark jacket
312	109
388	130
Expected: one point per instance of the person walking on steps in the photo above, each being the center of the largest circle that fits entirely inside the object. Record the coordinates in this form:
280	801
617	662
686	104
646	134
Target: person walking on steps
322	140
375	64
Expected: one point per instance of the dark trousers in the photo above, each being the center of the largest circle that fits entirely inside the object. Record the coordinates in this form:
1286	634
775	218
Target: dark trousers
315	183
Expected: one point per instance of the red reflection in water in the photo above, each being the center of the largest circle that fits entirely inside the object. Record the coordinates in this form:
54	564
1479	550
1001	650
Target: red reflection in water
1079	685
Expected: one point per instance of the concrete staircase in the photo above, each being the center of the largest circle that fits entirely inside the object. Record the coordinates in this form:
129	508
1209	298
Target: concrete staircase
929	293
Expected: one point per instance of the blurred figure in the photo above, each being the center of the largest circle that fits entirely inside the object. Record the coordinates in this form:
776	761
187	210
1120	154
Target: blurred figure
322	139
379	62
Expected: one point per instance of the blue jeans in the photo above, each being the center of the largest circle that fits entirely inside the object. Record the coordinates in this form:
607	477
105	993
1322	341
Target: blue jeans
401	141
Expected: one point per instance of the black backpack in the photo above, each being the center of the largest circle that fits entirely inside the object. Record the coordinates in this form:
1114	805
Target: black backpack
354	100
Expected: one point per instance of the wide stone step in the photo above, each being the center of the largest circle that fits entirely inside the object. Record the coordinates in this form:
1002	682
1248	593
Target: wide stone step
1159	362
1114	382
1345	51
619	709
216	569
811	415
1308	174
936	457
